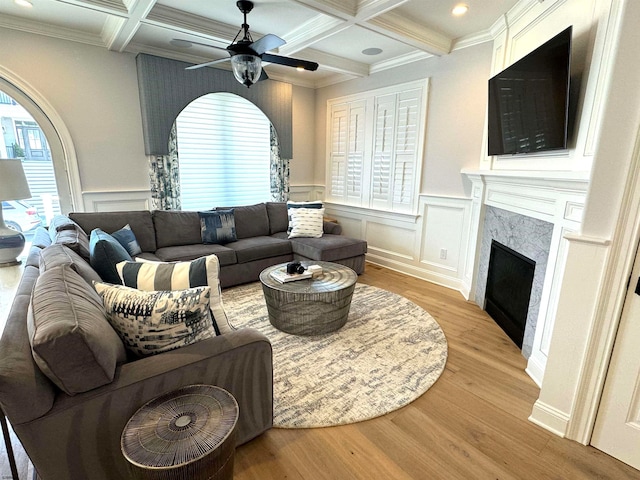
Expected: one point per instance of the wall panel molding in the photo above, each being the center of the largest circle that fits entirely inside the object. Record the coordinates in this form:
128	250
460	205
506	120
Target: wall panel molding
110	201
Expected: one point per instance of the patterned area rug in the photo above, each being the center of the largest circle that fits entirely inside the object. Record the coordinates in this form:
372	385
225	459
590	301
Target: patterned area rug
388	354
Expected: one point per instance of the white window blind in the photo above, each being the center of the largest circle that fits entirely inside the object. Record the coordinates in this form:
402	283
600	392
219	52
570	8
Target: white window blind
224	152
376	146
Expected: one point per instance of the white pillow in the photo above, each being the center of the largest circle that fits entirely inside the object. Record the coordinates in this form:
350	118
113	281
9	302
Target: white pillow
306	222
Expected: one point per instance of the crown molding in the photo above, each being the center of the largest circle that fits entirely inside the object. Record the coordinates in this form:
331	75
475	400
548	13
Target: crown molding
399	61
37	28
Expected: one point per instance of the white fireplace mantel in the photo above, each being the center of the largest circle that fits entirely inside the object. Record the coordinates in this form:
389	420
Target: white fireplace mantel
554	197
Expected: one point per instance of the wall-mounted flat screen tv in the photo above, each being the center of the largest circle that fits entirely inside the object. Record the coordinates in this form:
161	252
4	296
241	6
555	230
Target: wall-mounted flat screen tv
529	101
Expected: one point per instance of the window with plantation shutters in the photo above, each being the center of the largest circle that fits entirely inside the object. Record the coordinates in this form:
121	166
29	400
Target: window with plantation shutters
224	152
375	148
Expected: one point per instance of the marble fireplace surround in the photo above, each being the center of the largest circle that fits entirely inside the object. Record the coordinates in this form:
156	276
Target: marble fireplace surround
529	212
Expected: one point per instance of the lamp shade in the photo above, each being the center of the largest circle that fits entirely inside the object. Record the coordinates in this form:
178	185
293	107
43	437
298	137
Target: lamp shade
13	182
246	68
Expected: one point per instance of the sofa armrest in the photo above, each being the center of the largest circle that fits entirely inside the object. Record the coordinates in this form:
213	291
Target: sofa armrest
92	422
331	227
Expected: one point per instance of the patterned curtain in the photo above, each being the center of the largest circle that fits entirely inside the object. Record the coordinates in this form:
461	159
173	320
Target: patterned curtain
164	177
279	171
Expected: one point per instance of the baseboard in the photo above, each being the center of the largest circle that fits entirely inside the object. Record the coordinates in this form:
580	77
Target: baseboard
417	272
535	368
549	418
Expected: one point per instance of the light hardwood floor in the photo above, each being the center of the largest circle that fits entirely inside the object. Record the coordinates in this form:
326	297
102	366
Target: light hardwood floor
472	424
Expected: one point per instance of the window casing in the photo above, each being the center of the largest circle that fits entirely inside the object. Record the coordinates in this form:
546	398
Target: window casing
375	147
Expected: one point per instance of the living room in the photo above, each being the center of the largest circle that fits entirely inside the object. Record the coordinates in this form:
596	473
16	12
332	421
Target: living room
91	96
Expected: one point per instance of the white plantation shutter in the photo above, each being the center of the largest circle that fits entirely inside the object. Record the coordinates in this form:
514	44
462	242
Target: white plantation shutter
375	148
406	150
356	151
224	152
338	153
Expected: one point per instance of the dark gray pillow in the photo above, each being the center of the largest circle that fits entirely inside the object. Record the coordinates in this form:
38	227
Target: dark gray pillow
71	338
76	239
127	239
105	253
217	226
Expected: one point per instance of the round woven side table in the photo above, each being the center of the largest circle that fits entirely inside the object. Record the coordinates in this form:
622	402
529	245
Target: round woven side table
189	433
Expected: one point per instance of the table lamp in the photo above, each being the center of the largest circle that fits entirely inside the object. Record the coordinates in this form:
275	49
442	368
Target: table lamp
13	186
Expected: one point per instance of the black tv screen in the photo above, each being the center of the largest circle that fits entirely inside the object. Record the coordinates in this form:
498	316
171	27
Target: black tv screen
529	101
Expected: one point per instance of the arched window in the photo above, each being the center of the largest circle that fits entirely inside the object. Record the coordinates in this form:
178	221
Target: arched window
224	150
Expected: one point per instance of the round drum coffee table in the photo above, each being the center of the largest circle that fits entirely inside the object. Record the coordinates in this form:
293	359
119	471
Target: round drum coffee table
312	306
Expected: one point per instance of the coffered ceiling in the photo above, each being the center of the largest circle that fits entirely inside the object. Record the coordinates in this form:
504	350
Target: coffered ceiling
337	34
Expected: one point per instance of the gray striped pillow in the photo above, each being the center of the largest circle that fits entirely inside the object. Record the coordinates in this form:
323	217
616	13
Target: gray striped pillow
158	276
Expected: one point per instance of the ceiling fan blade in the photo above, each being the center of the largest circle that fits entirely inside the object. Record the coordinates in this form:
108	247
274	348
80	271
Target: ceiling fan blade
266	43
263	76
289	62
193	67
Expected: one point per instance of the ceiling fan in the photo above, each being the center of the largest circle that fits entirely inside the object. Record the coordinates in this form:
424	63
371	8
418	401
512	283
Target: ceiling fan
247	56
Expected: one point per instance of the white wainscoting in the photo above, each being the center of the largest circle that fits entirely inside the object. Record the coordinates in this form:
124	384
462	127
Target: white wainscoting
432	245
103	201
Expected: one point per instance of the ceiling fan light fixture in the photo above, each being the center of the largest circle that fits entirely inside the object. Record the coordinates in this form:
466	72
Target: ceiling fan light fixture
246	68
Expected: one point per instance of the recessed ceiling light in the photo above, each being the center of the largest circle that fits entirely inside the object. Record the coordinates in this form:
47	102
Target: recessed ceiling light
372	51
460	9
23	3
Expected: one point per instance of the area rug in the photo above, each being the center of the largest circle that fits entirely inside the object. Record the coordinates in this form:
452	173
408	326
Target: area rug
388	354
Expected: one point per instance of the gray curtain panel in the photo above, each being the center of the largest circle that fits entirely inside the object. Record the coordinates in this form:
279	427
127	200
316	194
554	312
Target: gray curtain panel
165	178
279	171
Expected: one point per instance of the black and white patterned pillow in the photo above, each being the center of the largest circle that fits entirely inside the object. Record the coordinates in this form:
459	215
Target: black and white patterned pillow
154	322
204	271
305	222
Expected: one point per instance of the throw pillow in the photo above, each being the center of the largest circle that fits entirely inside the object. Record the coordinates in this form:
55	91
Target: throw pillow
202	272
306	222
127	239
75	239
105	252
217	226
70	336
156	322
294	205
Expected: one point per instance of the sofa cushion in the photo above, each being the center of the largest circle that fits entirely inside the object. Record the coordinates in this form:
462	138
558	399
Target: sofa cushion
76	239
71	339
305	222
127	239
217	226
148	275
140	222
226	256
257	248
175	228
56	255
278	217
155	322
106	252
251	220
328	248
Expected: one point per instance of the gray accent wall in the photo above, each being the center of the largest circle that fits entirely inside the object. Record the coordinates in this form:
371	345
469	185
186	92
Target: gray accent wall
166	88
529	237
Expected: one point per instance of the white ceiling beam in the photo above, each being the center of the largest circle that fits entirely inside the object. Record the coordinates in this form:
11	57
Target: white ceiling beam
368	9
189	24
406	31
112	7
117	33
310	32
342	9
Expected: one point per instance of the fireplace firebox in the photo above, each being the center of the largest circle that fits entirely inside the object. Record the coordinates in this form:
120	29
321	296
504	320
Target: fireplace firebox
509	283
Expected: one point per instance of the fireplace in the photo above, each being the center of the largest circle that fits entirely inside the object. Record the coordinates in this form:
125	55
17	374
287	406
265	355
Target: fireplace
508	290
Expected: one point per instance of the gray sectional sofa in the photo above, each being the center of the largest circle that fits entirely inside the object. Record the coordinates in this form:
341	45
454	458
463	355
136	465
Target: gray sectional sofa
261	232
76	435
